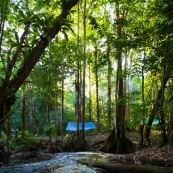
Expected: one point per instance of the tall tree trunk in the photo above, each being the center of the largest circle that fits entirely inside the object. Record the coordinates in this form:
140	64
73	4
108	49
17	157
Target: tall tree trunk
28	106
156	107
9	133
117	141
120	104
170	118
35	117
90	99
77	107
109	101
62	108
48	118
78	82
129	87
84	75
162	116
9	128
3	16
4	10
125	80
49	99
23	111
33	112
56	117
141	139
97	90
102	111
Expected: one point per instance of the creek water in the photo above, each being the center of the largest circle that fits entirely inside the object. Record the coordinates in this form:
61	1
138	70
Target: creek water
78	162
58	163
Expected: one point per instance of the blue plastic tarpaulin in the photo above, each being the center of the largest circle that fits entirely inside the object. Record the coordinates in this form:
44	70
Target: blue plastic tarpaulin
155	121
71	126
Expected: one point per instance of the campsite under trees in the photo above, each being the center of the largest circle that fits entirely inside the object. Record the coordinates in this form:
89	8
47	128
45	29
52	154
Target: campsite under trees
109	62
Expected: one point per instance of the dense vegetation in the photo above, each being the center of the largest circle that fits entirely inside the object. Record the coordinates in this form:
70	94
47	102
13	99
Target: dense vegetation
106	61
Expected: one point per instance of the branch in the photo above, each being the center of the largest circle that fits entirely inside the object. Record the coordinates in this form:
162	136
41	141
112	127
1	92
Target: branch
37	51
16	55
2	25
4	118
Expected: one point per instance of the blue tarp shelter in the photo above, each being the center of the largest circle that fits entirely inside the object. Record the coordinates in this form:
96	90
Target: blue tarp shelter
155	121
71	126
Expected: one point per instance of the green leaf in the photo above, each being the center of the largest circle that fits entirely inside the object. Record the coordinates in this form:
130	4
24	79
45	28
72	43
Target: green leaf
22	14
93	22
65	35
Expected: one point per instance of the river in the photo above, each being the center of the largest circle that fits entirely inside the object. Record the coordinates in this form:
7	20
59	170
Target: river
80	162
59	163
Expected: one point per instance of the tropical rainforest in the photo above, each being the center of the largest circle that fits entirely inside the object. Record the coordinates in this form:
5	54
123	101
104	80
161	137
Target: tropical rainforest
105	61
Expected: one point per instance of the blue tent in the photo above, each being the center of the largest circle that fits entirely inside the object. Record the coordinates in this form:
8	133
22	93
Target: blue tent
71	126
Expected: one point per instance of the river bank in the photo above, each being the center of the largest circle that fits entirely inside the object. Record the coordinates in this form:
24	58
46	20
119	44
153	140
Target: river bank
152	155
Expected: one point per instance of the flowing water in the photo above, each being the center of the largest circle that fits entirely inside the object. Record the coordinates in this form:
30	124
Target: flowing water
72	163
59	163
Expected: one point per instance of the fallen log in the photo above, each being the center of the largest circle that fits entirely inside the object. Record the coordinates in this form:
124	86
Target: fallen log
123	168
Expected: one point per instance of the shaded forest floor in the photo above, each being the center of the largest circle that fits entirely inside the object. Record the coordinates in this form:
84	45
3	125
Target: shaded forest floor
149	155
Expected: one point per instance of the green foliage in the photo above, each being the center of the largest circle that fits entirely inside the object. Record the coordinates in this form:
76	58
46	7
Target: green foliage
3	137
50	130
93	22
19	143
146	39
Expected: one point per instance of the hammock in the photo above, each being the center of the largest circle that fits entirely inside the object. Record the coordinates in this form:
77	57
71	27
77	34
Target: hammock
71	126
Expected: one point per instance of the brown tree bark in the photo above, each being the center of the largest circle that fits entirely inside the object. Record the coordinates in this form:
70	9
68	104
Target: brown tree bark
109	101
56	117
78	83
117	142
97	90
32	105
35	118
62	108
9	127
23	111
90	98
141	128
48	118
84	76
28	106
